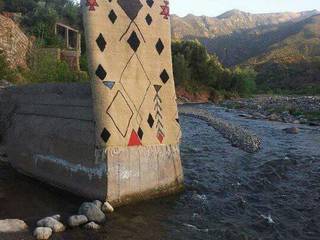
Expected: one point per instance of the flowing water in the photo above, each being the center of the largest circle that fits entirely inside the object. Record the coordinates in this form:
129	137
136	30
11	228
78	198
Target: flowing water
230	194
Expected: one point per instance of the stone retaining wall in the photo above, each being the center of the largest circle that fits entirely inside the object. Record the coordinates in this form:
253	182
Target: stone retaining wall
13	42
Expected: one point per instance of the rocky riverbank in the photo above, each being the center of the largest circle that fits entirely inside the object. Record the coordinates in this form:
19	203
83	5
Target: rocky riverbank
293	109
237	136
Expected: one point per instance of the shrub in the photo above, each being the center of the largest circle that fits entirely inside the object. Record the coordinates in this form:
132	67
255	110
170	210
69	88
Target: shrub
48	69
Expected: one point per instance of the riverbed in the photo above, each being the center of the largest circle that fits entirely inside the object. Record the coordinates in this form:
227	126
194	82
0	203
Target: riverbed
230	194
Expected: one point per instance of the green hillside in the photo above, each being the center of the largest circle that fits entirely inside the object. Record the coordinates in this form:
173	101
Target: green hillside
292	63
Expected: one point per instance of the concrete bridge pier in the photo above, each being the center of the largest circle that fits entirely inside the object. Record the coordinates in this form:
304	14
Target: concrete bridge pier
119	140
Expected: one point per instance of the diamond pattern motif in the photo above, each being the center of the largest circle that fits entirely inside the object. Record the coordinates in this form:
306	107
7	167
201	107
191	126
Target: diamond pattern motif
113	16
120	105
150	3
150	121
101	73
140	133
149	19
164	76
134	41
159	46
101	42
131	7
105	135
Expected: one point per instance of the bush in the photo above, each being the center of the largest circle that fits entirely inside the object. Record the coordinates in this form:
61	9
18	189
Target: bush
6	73
48	69
195	69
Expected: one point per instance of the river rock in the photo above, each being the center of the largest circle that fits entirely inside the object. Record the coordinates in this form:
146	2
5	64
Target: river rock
292	130
56	217
12	225
52	223
92	226
42	233
97	203
274	117
77	220
92	212
107	208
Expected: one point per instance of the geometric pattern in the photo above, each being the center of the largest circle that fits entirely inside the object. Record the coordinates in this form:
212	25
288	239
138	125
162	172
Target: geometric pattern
105	135
149	19
165	10
134	41
159	46
101	42
101	73
134	139
150	3
138	103
128	81
92	4
164	76
120	105
109	84
150	121
112	16
131	7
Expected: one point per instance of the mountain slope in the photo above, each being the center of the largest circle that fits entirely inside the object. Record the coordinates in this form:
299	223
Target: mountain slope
294	62
229	22
237	36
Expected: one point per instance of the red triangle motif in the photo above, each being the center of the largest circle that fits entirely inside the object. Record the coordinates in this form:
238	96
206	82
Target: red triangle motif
134	139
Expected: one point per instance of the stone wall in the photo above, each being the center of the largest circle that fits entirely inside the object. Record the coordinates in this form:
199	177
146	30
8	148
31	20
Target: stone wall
13	42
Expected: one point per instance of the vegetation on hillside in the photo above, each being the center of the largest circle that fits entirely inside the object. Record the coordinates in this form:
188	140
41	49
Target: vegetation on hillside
284	55
274	58
39	17
195	70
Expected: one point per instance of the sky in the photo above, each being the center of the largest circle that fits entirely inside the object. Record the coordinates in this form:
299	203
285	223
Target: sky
217	7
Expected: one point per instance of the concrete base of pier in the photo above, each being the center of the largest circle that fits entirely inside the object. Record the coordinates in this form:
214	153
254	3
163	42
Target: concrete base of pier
49	134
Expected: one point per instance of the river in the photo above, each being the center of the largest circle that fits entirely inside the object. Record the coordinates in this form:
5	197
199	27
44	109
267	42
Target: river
230	194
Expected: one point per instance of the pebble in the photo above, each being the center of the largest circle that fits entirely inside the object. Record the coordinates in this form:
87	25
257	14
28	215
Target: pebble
92	212
92	226
42	233
77	220
52	223
12	226
107	208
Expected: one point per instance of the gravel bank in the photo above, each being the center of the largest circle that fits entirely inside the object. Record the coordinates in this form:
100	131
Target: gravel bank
288	109
238	137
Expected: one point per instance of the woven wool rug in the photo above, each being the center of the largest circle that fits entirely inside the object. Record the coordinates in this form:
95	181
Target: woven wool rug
130	62
129	47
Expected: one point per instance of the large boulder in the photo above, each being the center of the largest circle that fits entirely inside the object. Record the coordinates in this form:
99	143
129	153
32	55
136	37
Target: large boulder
12	226
77	220
42	233
52	223
92	212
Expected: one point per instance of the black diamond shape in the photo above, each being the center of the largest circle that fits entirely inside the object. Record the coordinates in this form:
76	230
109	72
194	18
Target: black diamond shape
149	19
112	16
150	121
131	7
164	76
101	73
101	42
134	41
105	135
150	3
140	133
159	46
